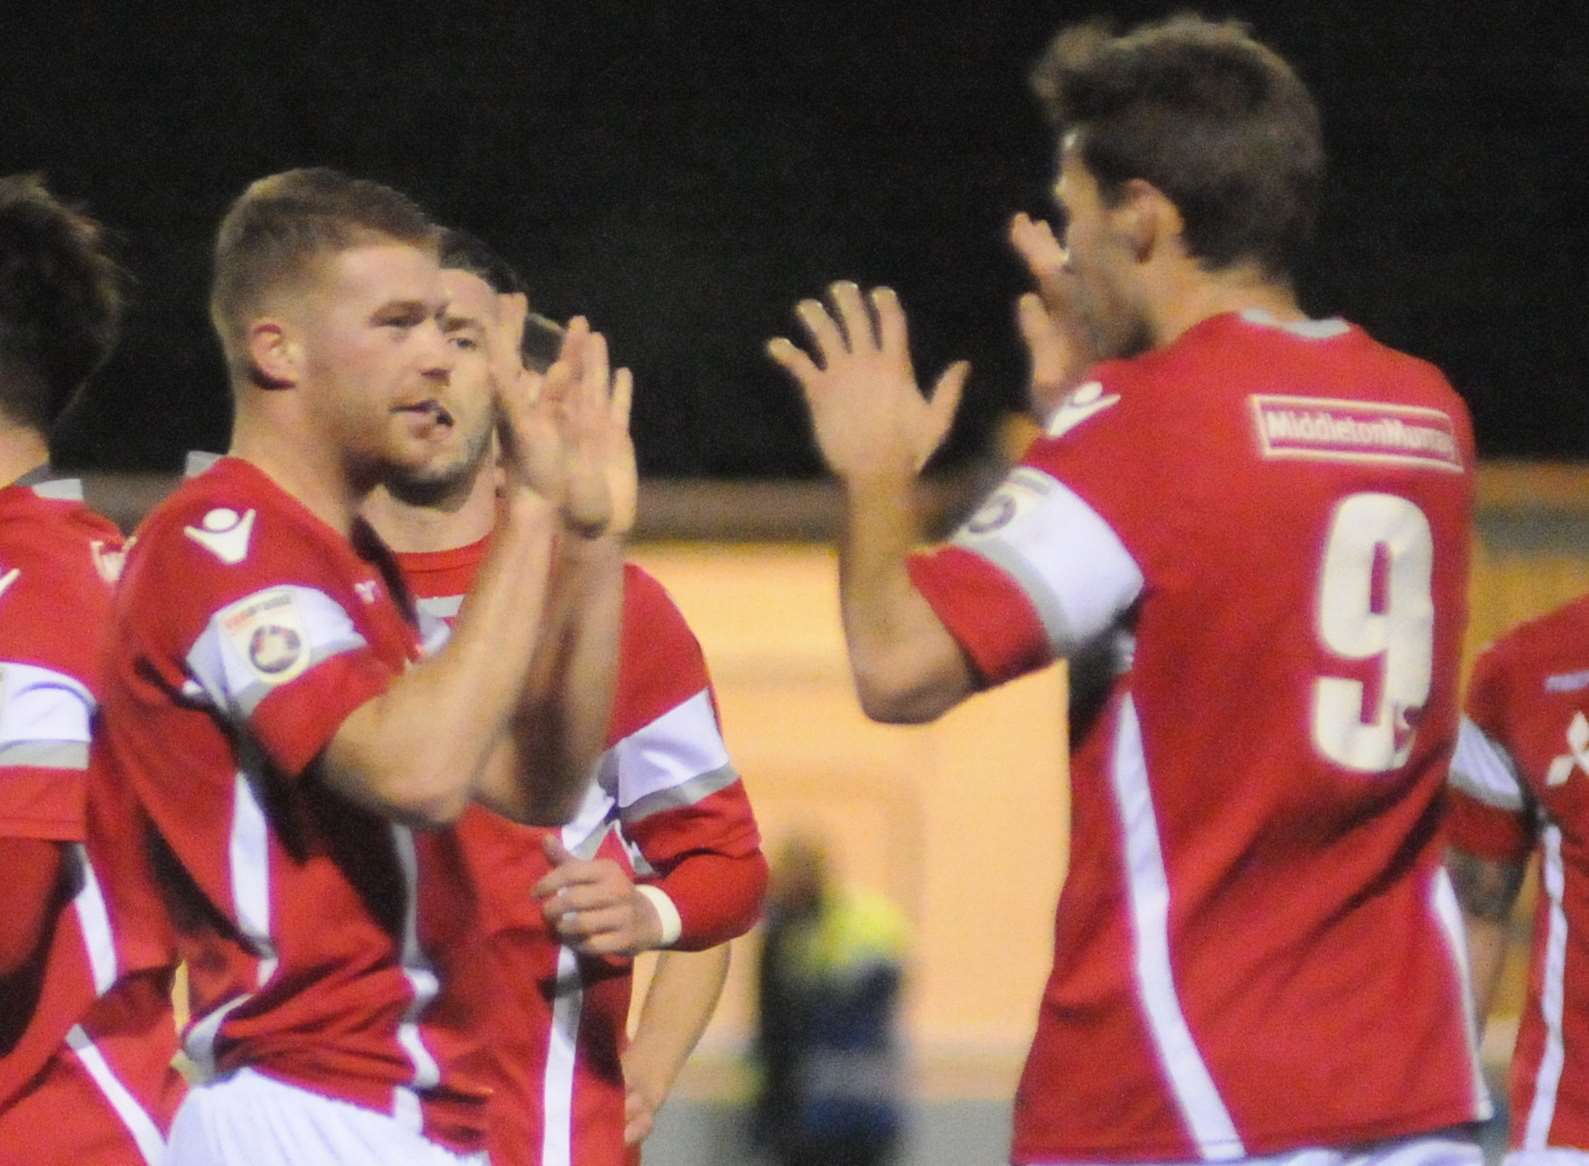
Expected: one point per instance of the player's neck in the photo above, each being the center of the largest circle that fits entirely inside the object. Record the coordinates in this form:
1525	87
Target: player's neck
22	449
1192	296
408	528
307	471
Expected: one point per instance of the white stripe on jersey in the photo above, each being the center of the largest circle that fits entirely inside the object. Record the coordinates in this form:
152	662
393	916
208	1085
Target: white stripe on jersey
1483	769
1448	911
1536	1134
44	717
145	1133
1196	1095
235	683
248	858
1069	562
93	920
421	976
440	606
248	864
562	1050
562	1042
679	746
583	835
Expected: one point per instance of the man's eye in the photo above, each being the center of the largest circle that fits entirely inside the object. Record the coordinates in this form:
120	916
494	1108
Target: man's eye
464	343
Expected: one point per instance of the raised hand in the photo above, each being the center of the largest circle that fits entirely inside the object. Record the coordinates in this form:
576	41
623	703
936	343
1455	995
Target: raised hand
594	906
1057	341
529	433
868	413
602	481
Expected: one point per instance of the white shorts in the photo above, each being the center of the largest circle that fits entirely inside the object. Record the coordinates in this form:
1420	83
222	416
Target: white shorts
249	1119
1437	1150
1549	1156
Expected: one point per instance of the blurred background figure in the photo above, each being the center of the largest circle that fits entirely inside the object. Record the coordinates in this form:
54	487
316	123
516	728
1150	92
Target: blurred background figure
832	966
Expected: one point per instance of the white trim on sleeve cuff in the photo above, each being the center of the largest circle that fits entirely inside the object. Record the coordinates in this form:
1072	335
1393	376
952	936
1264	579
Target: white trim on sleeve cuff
672	924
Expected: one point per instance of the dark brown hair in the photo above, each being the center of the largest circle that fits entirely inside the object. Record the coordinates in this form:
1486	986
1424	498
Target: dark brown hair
1219	123
61	299
283	224
461	251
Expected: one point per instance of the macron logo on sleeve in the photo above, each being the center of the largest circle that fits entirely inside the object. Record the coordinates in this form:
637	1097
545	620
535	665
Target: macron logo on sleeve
1083	402
9	578
1577	755
224	533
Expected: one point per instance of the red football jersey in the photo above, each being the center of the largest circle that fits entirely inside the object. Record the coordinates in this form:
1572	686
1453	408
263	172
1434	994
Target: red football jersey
1518	780
1252	546
667	803
85	1065
245	631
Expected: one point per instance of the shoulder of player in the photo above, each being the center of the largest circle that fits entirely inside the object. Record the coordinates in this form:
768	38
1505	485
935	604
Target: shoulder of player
55	545
1113	409
647	604
1555	641
212	523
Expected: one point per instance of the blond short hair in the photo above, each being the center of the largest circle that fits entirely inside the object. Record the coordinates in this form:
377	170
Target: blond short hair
283	225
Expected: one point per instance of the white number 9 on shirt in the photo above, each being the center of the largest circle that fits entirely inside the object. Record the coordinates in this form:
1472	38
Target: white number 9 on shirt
1375	603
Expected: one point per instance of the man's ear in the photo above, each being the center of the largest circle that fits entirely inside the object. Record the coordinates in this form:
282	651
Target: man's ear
1149	219
274	357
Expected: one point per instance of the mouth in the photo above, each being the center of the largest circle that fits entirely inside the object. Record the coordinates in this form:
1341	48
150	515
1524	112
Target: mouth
432	409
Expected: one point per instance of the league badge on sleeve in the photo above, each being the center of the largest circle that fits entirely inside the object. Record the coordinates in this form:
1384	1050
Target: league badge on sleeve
268	633
1019	493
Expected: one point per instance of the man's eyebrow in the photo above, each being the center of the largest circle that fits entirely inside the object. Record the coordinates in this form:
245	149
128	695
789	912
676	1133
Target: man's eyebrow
394	308
459	323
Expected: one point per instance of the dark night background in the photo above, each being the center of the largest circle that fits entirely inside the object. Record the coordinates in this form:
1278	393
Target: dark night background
684	172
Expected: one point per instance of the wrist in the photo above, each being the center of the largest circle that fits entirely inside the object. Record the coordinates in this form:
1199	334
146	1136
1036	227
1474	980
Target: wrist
883	477
669	924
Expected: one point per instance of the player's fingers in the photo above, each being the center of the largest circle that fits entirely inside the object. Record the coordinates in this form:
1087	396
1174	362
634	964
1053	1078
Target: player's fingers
556	853
558	383
793	359
512	307
601	931
637	1120
622	403
598	895
825	335
946	396
596	374
571	350
854	316
893	332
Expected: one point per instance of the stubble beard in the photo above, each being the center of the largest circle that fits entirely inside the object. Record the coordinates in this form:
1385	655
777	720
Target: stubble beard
441	484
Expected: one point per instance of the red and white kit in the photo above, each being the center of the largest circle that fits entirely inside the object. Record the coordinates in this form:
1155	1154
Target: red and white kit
245	632
1518	781
668	803
85	1072
1252	545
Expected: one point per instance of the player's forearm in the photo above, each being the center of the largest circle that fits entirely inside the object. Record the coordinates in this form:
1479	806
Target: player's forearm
682	997
1487	890
718	897
907	667
1487	942
421	750
561	725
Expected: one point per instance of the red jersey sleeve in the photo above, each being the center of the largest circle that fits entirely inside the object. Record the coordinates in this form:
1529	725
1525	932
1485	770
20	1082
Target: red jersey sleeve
264	629
1053	559
680	801
1490	812
54	607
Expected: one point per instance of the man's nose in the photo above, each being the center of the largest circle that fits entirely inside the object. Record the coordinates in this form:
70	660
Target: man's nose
438	356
